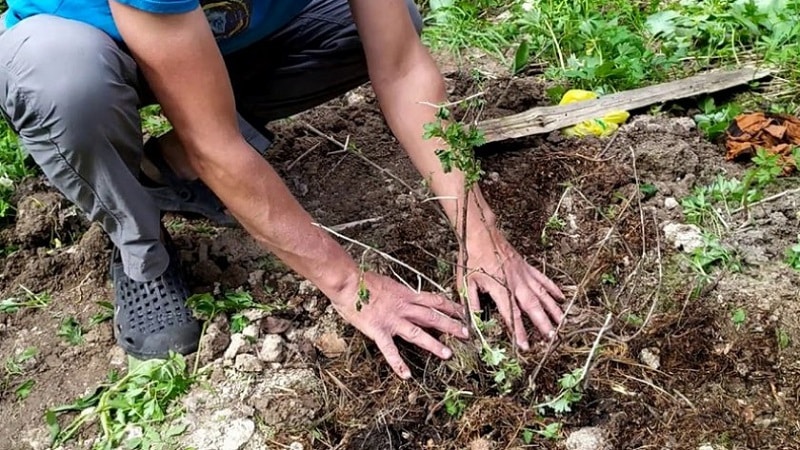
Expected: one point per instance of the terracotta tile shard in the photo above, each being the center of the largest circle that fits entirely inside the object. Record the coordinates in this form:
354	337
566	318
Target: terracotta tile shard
777	133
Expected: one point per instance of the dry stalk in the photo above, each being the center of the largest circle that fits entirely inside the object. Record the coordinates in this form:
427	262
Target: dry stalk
657	290
384	255
305	153
771	198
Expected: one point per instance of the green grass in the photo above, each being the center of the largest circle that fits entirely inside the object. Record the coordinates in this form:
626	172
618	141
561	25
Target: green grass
13	167
609	45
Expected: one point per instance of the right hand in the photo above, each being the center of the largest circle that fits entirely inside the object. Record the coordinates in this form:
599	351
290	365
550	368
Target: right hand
395	310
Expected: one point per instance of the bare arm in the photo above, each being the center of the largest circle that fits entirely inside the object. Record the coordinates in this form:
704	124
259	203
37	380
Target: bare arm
405	76
180	59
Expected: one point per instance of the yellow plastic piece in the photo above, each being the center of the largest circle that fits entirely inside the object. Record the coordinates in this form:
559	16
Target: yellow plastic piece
602	127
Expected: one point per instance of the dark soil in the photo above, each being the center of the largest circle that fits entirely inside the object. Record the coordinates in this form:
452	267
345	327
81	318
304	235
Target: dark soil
715	384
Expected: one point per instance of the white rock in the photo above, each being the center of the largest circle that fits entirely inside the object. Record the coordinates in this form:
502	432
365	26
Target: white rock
650	358
251	331
295	446
222	430
247	363
117	357
306	287
671	203
589	438
271	348
684	237
238	344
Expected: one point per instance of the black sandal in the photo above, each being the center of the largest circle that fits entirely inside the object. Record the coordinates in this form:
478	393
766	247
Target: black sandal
151	318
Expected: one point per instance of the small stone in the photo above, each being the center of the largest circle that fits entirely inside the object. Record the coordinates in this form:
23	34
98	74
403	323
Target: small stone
354	98
116	357
237	345
215	340
589	438
271	348
331	344
650	358
684	237
494	176
275	325
296	446
254	314
222	430
256	278
247	363
480	444
306	287
251	331
670	203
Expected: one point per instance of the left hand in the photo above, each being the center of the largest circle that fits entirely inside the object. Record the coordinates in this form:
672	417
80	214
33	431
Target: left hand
496	268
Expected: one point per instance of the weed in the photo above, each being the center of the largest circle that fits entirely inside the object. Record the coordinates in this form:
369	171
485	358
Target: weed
648	190
71	331
13	167
454	402
738	317
793	255
14	367
570	394
153	122
550	431
554	223
609	279
783	339
30	300
107	313
140	399
712	254
714	120
24	390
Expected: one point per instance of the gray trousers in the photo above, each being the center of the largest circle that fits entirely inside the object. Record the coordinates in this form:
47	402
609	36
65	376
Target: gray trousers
72	94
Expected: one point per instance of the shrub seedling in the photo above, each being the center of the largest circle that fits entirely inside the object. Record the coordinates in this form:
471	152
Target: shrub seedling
141	399
29	300
71	331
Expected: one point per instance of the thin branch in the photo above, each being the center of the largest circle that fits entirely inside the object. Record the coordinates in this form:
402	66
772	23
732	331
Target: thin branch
455	103
356	223
768	199
305	153
587	364
384	255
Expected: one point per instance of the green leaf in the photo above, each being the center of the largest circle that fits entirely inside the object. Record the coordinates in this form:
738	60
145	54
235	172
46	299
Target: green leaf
662	23
52	425
521	56
24	390
739	317
238	322
648	190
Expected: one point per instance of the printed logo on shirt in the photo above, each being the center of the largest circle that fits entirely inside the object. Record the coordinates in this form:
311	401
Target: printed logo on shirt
228	18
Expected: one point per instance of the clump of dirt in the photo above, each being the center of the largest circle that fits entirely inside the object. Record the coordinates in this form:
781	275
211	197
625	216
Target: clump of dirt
672	370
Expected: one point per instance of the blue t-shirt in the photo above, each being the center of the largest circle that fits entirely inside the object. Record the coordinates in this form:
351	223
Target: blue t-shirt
235	23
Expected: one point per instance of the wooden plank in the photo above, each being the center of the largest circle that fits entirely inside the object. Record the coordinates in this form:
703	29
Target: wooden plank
550	118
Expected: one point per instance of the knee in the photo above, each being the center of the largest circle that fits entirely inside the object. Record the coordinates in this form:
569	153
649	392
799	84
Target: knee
416	16
62	73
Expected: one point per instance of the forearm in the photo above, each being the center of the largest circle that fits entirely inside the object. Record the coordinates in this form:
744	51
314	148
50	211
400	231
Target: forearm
406	101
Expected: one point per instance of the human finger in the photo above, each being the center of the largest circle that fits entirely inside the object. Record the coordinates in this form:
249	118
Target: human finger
439	303
545	298
392	355
547	283
472	296
415	335
510	312
430	318
531	303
